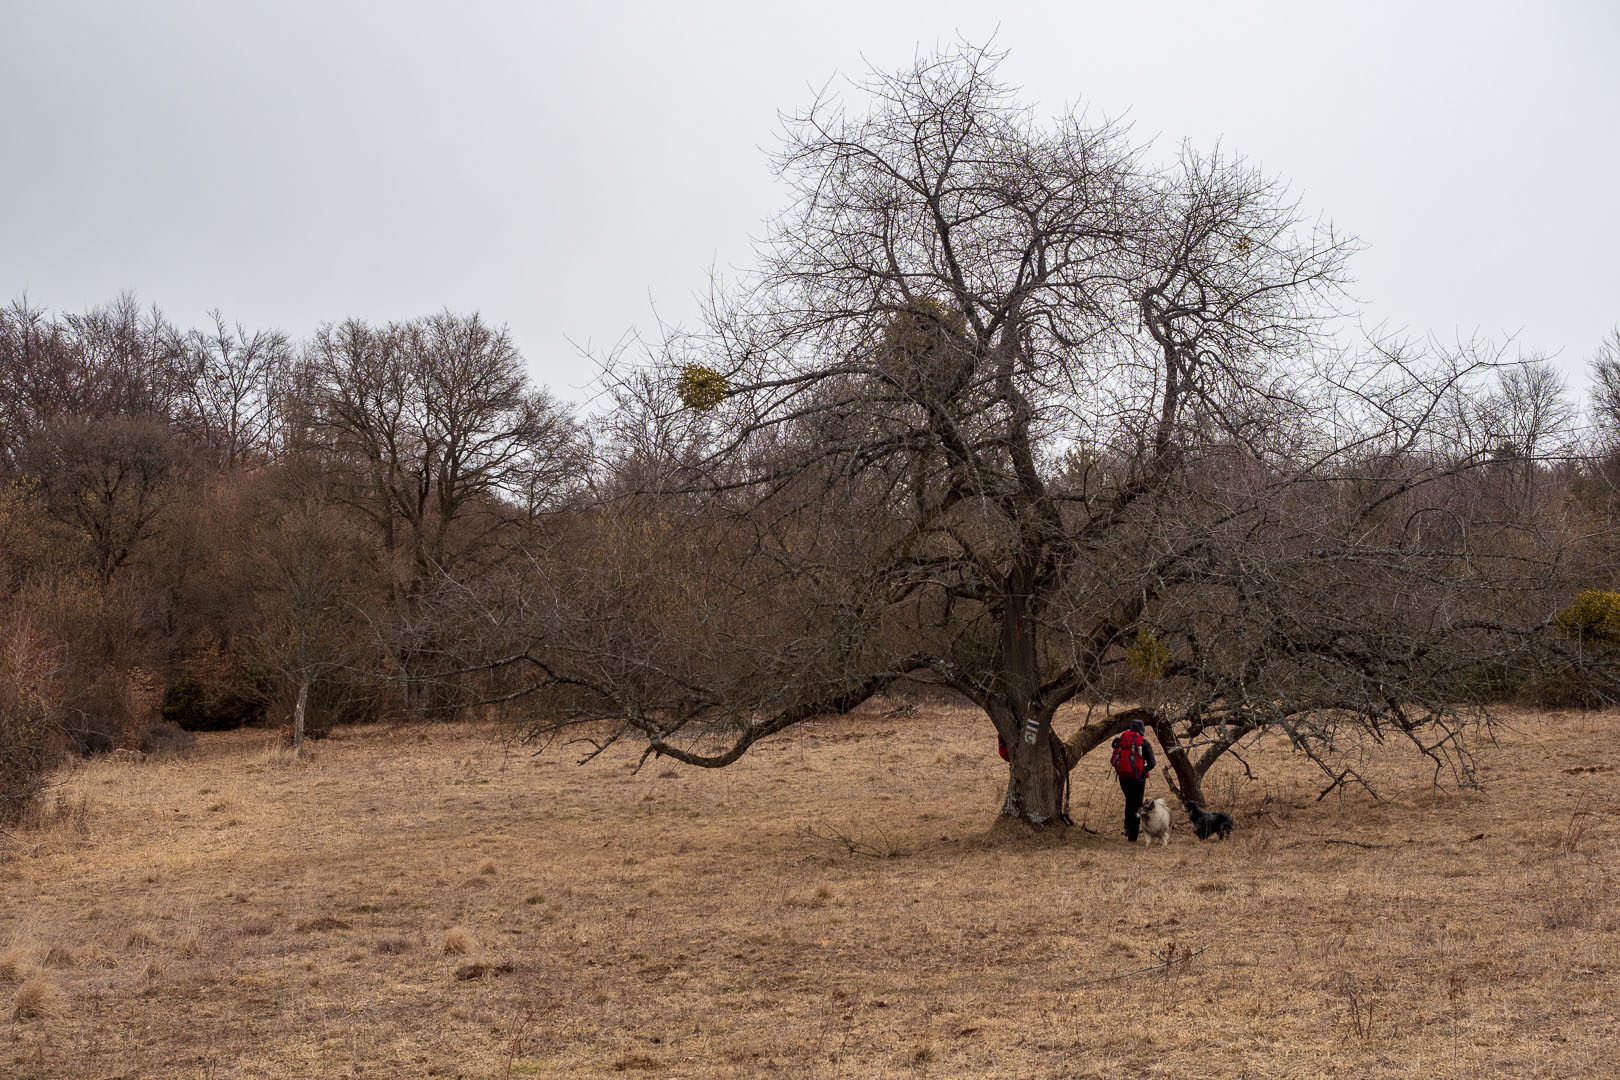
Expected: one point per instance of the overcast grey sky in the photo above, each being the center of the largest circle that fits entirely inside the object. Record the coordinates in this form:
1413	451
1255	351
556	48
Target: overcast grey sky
559	167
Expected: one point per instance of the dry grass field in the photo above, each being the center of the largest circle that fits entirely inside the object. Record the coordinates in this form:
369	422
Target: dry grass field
435	903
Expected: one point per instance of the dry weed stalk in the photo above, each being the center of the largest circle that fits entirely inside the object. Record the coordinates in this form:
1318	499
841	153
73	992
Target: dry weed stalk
1175	958
142	936
69	812
1579	822
1358	1005
514	1035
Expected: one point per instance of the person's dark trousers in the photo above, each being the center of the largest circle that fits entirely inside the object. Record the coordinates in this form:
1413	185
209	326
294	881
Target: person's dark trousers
1133	802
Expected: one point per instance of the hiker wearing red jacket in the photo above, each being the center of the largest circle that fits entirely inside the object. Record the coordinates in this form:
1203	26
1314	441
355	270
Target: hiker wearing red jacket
1132	760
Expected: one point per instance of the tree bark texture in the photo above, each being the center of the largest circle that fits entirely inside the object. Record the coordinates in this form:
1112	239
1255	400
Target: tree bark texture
298	716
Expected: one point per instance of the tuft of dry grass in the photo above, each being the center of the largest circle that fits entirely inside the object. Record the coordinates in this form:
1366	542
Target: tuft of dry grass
16	963
62	956
391	945
37	999
720	929
142	936
278	753
479	969
93	955
67	815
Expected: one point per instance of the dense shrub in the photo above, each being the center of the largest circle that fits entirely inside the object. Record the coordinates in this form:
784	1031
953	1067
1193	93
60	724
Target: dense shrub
98	715
166	739
1567	687
188	705
1592	621
1495	682
30	738
24	757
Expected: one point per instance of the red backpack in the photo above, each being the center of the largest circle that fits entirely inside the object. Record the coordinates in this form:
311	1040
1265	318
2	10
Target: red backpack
1127	759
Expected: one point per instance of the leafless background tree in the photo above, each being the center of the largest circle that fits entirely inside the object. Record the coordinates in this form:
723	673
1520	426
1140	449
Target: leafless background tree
305	584
238	380
432	433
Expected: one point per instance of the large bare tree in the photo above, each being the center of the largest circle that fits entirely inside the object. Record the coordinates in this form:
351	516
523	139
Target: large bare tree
1010	410
439	421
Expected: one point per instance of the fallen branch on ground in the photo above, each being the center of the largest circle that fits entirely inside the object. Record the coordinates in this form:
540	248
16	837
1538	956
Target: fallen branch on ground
882	850
1171	958
1332	840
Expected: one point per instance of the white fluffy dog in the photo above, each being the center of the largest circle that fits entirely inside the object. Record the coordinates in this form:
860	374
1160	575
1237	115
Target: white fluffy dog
1155	815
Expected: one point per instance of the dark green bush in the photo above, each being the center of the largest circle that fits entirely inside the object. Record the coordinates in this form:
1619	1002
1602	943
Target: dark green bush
1587	679
185	704
188	705
1593	619
1567	687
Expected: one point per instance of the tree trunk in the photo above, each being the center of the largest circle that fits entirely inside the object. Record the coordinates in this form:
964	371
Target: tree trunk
1037	769
1189	783
1035	783
298	715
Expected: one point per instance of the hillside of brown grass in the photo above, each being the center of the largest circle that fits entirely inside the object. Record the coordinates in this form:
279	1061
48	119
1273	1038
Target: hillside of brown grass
415	904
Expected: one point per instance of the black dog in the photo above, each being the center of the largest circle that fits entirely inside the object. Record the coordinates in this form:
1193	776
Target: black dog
1206	824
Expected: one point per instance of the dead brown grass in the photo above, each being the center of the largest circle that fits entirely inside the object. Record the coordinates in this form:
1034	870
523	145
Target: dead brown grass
835	905
37	999
16	963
